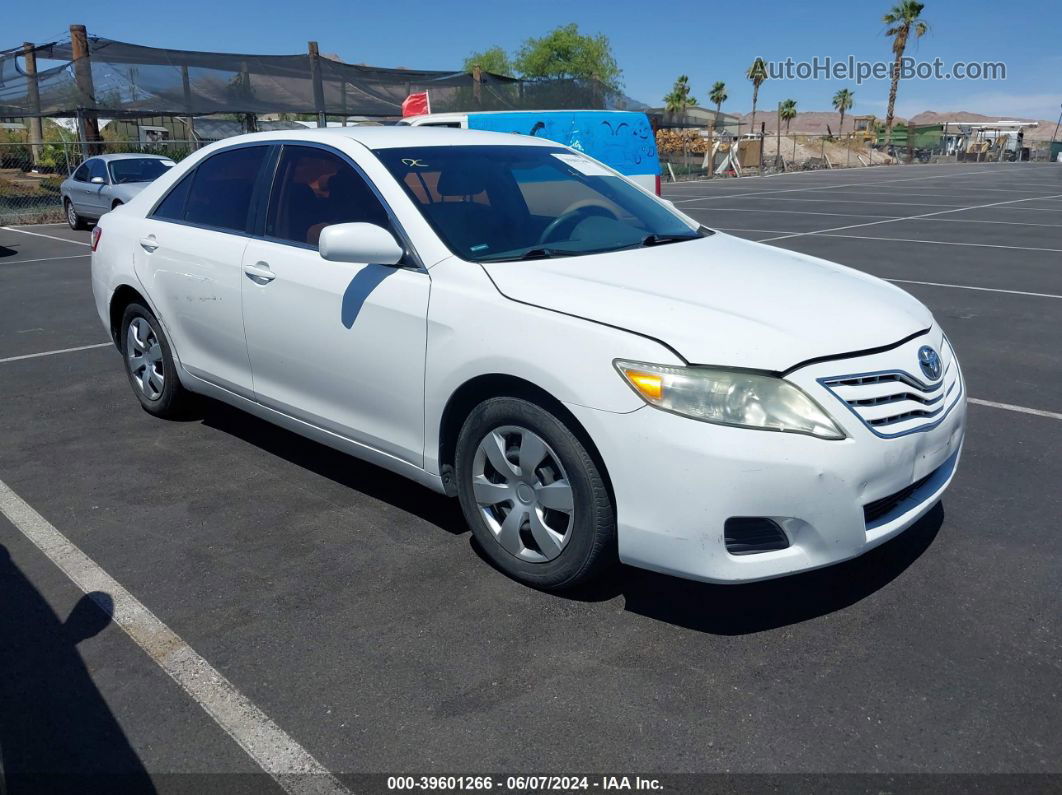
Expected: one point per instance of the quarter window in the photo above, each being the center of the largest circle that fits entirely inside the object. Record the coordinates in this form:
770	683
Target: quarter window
172	207
314	188
220	193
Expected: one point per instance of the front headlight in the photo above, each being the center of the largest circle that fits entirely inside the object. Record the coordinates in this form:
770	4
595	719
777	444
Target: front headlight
729	397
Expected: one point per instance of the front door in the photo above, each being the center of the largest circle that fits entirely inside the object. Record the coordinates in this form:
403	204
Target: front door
338	345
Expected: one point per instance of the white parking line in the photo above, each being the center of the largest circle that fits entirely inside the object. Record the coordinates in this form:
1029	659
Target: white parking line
913	240
1053	415
921	215
862	215
50	237
287	762
53	353
971	287
40	259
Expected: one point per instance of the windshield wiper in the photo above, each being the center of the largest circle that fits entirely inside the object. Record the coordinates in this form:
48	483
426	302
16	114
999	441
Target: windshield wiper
659	240
535	253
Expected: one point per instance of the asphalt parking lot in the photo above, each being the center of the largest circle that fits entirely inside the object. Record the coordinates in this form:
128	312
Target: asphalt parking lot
351	608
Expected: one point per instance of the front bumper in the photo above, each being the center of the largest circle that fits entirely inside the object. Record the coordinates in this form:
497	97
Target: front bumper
676	482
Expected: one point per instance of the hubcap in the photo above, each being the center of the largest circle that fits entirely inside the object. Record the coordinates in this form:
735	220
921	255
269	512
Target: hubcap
523	493
71	216
143	356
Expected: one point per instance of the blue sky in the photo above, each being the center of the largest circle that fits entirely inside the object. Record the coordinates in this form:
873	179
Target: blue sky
653	41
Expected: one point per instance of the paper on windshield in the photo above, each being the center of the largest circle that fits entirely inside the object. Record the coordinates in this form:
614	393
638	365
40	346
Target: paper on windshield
583	165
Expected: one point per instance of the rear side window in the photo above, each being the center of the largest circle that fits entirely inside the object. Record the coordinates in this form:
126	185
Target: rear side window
314	188
172	207
220	194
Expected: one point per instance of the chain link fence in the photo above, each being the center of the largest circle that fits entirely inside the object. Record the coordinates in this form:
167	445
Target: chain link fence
31	174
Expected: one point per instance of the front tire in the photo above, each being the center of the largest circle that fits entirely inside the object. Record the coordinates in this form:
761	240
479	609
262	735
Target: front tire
533	495
75	221
149	363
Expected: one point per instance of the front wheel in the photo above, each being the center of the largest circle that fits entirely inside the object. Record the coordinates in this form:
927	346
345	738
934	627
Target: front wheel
533	495
149	363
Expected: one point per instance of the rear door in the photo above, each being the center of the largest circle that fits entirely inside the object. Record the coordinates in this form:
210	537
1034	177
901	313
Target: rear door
189	258
339	345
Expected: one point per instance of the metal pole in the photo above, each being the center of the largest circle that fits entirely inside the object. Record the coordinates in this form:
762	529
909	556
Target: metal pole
88	125
763	136
36	129
318	84
186	88
477	84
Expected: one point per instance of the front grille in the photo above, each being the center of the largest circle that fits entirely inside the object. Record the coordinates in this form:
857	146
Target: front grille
748	535
894	402
873	511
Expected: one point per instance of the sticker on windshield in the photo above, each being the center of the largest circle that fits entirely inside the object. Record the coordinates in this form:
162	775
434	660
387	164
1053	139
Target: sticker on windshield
584	166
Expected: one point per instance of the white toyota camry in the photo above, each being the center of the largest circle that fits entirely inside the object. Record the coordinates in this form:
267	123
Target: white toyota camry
592	373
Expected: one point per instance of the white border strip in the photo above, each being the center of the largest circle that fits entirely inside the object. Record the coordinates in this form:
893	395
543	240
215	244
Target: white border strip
287	762
40	259
971	287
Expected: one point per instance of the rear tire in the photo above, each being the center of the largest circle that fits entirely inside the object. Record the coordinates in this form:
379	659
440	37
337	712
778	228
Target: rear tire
72	218
533	495
149	364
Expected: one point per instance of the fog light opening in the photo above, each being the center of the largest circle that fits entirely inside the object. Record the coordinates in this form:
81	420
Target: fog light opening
751	535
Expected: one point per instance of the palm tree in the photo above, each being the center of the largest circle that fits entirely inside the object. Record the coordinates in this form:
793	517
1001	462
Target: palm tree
843	101
902	19
787	114
678	100
757	73
718	96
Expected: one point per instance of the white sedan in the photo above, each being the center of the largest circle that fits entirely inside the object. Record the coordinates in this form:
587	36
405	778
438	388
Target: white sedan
593	374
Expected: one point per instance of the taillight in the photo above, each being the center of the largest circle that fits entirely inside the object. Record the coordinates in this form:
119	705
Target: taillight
657	184
97	233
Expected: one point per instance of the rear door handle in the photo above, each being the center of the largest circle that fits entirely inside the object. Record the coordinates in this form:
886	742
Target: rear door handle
149	243
259	273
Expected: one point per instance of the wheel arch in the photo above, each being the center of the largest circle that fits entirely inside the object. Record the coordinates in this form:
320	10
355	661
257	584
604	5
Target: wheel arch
483	387
123	295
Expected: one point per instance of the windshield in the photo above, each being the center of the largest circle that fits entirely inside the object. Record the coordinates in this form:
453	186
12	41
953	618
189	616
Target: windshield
491	203
139	169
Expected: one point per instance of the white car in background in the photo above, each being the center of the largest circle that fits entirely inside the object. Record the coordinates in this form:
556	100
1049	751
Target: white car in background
104	182
593	374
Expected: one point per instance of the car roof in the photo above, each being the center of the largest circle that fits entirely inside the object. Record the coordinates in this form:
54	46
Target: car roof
129	156
373	137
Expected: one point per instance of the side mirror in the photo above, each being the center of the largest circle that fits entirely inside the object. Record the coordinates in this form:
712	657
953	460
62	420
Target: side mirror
359	242
98	181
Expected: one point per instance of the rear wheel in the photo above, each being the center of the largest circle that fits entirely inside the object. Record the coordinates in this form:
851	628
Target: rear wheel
72	218
533	496
149	363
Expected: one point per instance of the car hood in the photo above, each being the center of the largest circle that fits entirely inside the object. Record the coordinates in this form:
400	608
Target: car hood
722	300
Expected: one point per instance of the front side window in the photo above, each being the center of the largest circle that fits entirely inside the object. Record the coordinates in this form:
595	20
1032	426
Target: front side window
139	169
314	188
220	194
97	168
490	203
82	173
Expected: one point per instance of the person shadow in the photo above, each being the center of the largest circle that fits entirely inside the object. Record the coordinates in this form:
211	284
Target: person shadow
57	734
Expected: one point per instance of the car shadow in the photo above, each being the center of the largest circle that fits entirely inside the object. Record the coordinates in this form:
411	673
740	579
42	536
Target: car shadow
6	251
714	609
770	604
365	478
57	733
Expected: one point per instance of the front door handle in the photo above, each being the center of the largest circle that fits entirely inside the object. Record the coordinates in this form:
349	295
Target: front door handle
149	243
259	273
